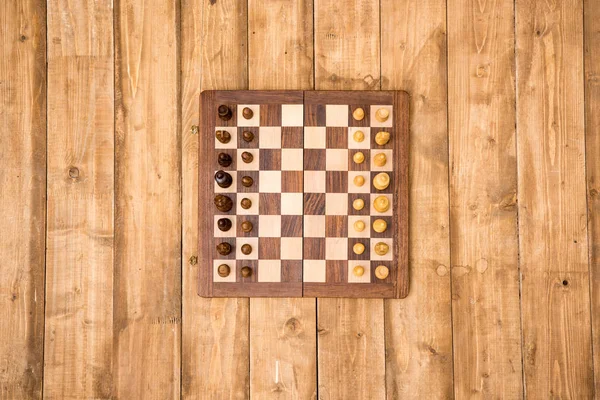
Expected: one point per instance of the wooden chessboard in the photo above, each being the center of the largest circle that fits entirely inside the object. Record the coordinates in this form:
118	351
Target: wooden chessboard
287	222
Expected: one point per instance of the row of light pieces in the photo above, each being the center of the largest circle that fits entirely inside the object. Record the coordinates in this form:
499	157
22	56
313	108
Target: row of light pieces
381	271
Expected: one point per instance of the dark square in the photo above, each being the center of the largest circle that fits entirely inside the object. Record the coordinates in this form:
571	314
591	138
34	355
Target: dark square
365	121
314	248
388	145
253	264
291	270
232	121
364	256
292	137
269	248
270	159
270	115
336	225
314	203
292	181
314	115
233	198
250	189
366	198
389	189
390	278
314	159
269	204
364	166
336	182
291	226
336	137
252	219
253	144
336	271
218	256
388	233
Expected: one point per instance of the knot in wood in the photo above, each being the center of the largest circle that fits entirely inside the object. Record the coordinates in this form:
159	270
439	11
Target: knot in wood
292	327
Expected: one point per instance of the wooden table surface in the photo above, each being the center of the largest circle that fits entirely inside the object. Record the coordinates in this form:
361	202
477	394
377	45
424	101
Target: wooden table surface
98	191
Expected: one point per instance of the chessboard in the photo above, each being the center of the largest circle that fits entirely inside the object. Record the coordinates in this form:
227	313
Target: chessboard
303	193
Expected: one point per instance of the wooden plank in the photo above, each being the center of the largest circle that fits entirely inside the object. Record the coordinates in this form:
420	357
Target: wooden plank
148	223
483	187
552	200
417	329
282	331
22	197
592	141
350	343
215	348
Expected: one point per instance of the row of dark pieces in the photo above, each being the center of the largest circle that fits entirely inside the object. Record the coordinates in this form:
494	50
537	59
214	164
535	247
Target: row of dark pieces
224	270
225	137
225	112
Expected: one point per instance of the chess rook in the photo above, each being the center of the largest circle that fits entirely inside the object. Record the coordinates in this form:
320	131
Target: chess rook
224	112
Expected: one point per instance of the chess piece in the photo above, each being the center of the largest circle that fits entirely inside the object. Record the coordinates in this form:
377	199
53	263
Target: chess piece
359	226
381	204
223	270
381	181
382	114
382	272
358	248
223	136
223	179
358	204
246	249
224	224
247	157
358	114
246	272
224	112
247	181
246	203
379	225
224	248
248	136
247	226
359	180
247	113
358	157
382	138
381	248
224	159
358	270
358	136
380	159
223	203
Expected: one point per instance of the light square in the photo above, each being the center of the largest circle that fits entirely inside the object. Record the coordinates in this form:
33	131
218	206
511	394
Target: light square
269	226
314	271
314	181
269	137
390	197
253	210
232	143
292	203
230	232
292	159
366	278
291	248
336	160
230	189
253	166
254	121
388	123
228	278
252	241
336	115
389	164
314	137
390	254
269	270
269	181
365	188
336	203
336	249
353	233
292	115
365	144
314	226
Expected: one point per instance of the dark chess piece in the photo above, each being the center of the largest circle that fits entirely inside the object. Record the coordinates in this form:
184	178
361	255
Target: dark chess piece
224	248
247	226
223	136
246	203
246	249
247	181
247	113
224	159
248	136
223	179
247	157
223	203
224	112
224	224
246	272
223	270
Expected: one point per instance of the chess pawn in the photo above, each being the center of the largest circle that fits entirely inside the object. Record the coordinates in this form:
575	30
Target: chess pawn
358	157
223	179
247	157
247	226
358	270
359	226
358	136
382	114
246	249
247	181
359	180
358	114
382	138
246	203
382	272
247	113
223	136
381	204
224	248
358	248
248	136
358	204
223	270
381	181
224	224
223	203
246	272
224	159
224	112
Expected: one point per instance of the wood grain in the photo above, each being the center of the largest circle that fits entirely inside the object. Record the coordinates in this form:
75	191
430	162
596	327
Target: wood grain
350	342
22	197
78	353
147	295
215	352
483	186
418	346
592	142
552	203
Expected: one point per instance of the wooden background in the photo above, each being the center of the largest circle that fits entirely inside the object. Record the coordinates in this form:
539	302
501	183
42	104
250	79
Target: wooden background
98	189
